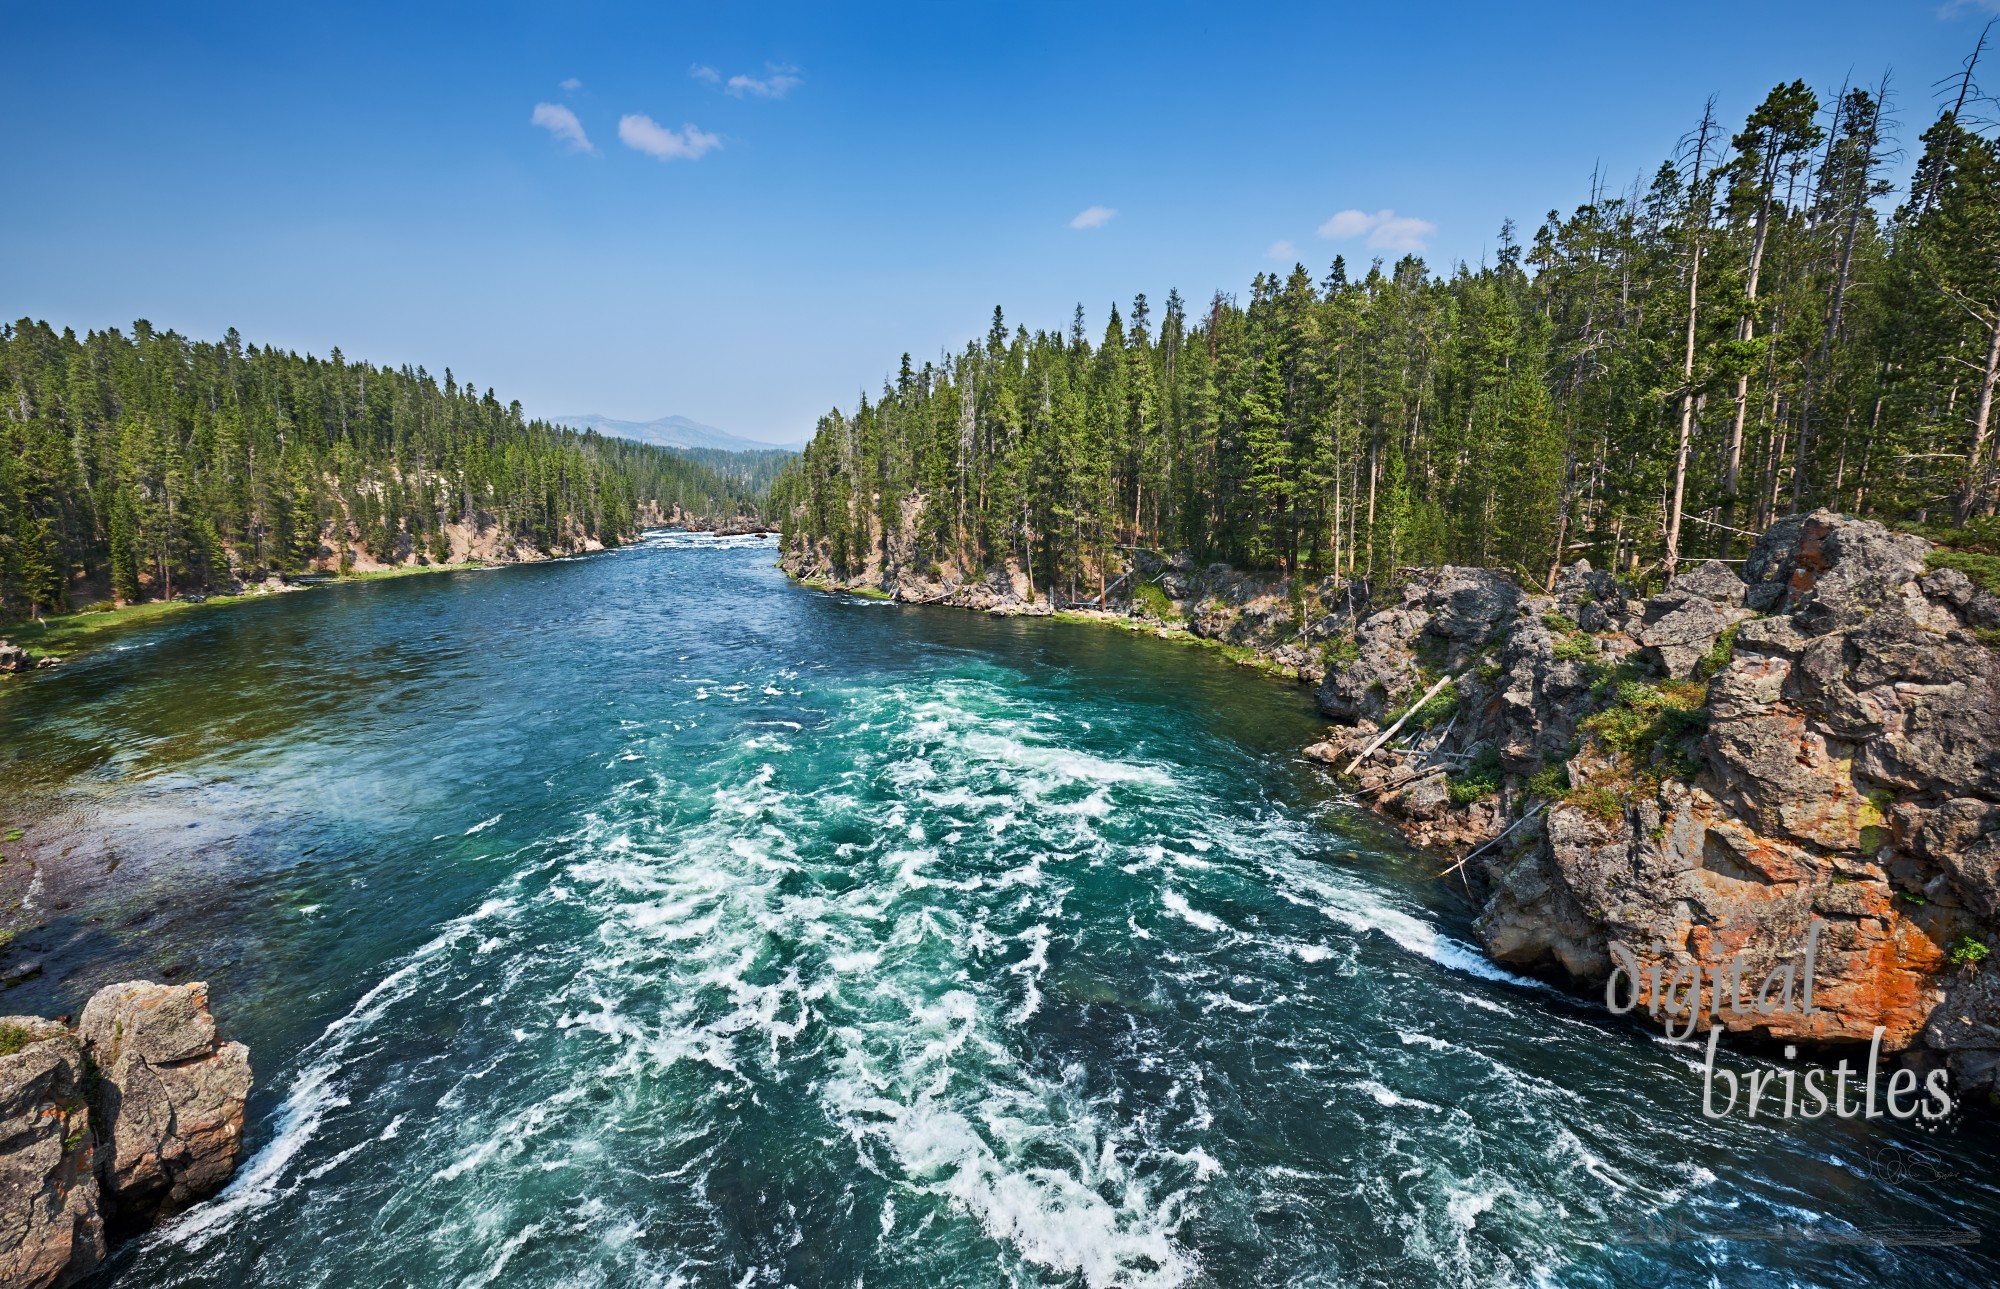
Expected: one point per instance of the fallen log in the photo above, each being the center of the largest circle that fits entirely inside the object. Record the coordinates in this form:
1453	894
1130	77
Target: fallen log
1390	733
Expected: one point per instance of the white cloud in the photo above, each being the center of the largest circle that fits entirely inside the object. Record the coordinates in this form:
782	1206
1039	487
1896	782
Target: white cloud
644	134
562	123
703	72
1092	217
572	84
1281	250
1385	229
776	83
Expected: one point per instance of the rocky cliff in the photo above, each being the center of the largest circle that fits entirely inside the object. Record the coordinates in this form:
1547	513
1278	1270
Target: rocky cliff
1699	778
128	1119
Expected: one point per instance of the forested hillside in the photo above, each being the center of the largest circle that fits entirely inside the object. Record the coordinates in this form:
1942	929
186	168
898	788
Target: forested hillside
146	465
1763	326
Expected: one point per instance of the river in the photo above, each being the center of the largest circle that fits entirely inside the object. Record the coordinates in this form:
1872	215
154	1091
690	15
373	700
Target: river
644	920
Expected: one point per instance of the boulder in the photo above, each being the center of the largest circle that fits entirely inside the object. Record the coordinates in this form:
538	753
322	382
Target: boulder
51	1233
1681	625
14	658
1383	674
172	1093
1467	607
1426	798
1833	569
1714	580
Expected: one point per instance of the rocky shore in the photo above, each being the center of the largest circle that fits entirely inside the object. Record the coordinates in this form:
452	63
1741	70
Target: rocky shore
127	1119
14	658
1804	745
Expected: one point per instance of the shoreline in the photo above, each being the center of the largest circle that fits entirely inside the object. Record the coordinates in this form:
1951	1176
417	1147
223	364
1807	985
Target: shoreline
1242	655
76	633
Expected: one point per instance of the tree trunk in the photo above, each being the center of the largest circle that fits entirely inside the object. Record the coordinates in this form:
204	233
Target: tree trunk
1687	423
1732	475
1982	419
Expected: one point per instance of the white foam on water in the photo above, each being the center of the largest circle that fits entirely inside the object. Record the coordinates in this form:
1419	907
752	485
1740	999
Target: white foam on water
1177	905
315	1092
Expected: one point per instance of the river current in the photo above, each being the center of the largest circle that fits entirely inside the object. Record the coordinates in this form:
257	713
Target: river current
643	920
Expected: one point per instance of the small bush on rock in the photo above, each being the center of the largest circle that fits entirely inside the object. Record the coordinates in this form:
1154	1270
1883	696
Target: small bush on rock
1479	780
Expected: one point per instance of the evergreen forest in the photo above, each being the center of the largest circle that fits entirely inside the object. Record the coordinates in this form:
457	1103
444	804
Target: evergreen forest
146	465
1763	325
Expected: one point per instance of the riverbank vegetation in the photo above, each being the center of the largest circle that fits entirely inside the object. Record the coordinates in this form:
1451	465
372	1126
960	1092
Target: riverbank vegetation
145	465
1759	327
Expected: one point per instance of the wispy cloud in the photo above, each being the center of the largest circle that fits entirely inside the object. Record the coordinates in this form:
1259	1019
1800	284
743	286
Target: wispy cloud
572	84
778	81
560	122
703	72
1281	250
644	134
1092	217
1385	229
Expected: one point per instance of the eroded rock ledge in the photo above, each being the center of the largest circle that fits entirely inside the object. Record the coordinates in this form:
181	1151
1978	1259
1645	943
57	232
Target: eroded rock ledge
126	1120
1709	771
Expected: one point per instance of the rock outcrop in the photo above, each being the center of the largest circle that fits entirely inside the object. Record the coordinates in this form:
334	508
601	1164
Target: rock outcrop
1711	774
14	658
1720	774
172	1097
51	1230
127	1120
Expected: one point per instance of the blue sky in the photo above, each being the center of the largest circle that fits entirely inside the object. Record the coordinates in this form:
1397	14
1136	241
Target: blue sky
776	201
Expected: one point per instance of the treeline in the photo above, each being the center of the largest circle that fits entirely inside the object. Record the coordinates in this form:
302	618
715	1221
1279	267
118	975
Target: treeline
147	465
1754	331
754	468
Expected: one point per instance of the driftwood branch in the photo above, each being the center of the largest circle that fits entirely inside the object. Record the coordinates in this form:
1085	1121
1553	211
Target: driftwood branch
1494	841
1390	733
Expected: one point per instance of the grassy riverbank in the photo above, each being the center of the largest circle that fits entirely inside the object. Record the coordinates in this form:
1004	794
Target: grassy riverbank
74	633
1241	655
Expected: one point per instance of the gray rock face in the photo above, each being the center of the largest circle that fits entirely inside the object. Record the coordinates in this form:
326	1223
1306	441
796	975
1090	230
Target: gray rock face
1468	606
1683	623
1833	570
173	1093
1464	609
1712	581
1383	674
1540	697
50	1230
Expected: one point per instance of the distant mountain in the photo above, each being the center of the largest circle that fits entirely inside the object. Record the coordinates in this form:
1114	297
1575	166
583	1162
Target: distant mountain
670	432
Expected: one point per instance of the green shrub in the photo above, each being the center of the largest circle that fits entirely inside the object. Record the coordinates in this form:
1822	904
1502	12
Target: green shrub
1560	623
1551	781
1968	950
1599	800
1435	712
14	1037
1488	672
1718	657
1576	648
1480	779
1340	651
1148	598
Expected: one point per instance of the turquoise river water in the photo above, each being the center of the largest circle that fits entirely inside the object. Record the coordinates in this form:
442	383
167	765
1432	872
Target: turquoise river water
645	920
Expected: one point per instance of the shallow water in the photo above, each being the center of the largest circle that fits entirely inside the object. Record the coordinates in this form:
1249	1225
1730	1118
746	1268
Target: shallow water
644	920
